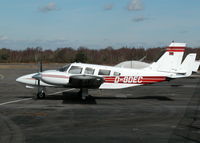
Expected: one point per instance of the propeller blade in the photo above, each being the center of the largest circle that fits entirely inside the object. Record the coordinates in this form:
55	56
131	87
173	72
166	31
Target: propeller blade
38	86
38	75
38	83
40	70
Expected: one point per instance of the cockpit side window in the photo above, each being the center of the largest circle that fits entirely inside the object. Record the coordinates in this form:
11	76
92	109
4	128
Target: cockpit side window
104	72
116	74
89	71
75	70
65	68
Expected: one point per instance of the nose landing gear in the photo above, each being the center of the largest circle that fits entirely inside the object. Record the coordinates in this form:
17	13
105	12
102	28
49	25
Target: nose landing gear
41	94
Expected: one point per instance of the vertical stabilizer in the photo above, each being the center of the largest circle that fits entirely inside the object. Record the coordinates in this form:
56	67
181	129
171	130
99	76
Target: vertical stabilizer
172	58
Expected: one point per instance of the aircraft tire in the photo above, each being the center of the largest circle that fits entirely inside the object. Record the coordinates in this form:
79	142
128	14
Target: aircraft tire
41	95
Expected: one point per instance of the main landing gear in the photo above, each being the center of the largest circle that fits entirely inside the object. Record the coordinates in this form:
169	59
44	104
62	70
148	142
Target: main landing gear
83	93
85	97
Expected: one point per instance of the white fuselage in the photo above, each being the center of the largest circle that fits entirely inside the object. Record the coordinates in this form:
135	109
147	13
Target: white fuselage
114	77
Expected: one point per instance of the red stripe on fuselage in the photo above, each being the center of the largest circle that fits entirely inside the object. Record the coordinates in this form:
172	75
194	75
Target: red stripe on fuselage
134	79
111	77
54	76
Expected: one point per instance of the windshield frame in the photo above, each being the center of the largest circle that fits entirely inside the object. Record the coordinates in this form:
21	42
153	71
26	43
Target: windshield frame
64	68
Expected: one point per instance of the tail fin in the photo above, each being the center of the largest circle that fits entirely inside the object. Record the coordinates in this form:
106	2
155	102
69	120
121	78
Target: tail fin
172	58
171	61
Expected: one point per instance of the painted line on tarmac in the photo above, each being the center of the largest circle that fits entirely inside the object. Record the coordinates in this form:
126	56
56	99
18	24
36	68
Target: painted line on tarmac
62	91
14	101
1	77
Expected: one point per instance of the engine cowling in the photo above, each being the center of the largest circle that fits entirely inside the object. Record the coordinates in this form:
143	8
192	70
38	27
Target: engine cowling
85	81
54	77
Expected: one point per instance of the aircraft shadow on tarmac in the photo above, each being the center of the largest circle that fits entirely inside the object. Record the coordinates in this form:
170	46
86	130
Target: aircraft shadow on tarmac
161	98
72	98
75	98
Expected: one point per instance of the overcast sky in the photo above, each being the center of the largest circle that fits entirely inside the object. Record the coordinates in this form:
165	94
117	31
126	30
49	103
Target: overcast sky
98	23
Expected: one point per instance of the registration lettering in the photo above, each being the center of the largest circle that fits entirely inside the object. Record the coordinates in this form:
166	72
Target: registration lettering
128	79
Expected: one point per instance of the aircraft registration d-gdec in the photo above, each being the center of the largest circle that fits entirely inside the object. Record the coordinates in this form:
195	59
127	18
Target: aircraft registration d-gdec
91	76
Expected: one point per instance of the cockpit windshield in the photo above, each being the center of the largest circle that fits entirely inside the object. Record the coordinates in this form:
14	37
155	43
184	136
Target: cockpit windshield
64	68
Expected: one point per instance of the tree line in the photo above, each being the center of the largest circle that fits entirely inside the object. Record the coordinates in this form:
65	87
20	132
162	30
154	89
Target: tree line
108	56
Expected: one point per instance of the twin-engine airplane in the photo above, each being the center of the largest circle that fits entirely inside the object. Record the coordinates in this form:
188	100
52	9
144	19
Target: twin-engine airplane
90	76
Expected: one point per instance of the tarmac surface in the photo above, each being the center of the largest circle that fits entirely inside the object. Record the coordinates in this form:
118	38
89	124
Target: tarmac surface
145	114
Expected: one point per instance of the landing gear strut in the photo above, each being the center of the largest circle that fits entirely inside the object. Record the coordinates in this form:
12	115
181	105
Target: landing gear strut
84	93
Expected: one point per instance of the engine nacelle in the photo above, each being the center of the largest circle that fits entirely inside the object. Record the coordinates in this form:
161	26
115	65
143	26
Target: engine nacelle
85	81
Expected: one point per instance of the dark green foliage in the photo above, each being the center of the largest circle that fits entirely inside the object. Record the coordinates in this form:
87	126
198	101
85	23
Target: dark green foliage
108	56
4	55
81	57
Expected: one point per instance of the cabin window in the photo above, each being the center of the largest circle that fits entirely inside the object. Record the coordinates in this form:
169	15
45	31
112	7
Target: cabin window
75	70
89	71
116	74
104	72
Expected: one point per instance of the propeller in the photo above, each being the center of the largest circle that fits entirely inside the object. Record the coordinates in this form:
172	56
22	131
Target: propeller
38	75
40	70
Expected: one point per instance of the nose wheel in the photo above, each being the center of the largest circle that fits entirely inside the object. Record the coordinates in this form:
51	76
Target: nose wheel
41	95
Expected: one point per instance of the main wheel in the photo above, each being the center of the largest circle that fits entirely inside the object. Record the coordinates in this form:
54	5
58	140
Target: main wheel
41	95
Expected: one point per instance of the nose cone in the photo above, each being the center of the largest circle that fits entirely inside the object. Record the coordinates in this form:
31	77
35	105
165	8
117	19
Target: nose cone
22	79
19	79
26	79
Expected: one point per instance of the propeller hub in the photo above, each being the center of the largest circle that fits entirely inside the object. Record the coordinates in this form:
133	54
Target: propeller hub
37	76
